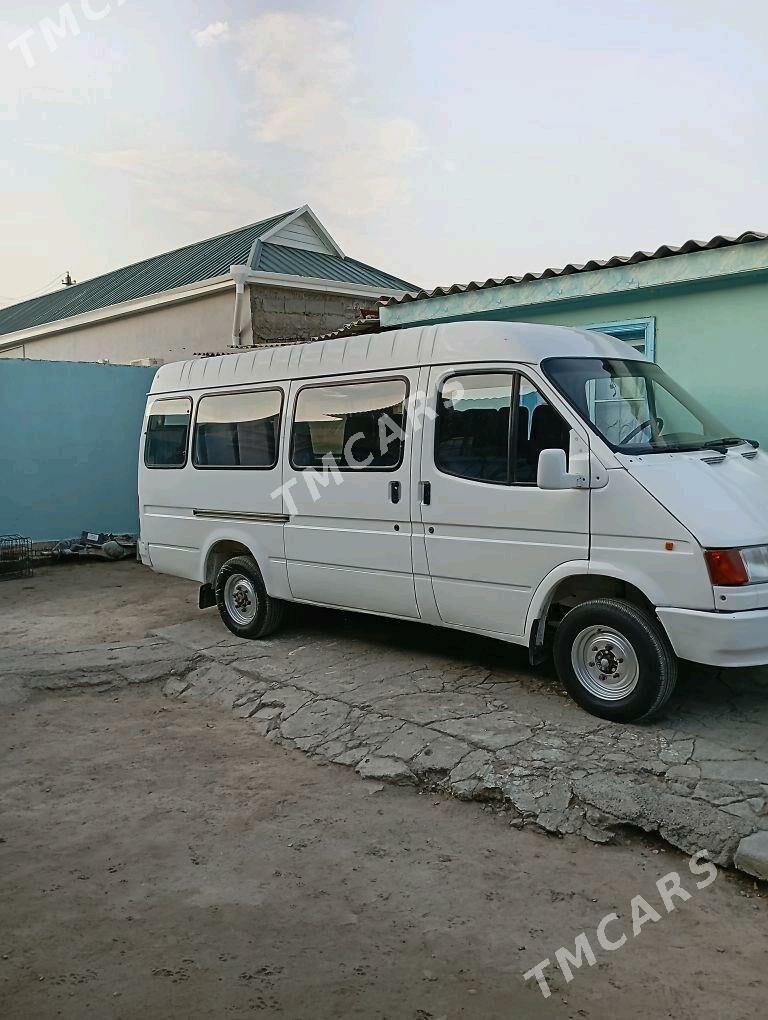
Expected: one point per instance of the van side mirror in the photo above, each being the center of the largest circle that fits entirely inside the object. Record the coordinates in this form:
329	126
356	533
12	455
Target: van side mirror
553	473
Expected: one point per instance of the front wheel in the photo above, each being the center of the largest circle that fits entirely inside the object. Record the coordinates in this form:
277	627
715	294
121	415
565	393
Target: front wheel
243	602
615	660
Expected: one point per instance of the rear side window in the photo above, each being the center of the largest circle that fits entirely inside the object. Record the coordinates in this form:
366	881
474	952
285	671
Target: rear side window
165	445
492	428
354	426
238	430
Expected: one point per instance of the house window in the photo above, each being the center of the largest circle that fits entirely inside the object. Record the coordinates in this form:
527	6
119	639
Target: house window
638	333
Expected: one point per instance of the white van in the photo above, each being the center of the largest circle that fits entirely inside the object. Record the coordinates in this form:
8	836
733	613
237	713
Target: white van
507	479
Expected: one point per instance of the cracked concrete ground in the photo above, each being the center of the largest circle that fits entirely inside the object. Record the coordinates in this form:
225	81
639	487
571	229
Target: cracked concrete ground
409	704
416	705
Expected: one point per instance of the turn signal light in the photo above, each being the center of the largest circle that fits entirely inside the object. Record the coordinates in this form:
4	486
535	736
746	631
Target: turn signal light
726	567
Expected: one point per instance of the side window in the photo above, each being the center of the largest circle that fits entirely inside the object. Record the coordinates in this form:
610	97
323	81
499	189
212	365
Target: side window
538	427
165	445
357	425
476	439
472	428
237	430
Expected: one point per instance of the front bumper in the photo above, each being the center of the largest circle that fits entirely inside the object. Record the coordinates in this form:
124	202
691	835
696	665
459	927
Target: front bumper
718	639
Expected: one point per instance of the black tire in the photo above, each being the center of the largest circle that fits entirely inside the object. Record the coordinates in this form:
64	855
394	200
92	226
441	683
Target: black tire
655	666
267	612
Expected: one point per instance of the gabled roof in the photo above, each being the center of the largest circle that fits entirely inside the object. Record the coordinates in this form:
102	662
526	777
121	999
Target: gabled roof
664	252
299	246
275	258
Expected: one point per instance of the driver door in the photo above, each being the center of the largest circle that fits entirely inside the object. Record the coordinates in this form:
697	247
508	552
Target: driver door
491	534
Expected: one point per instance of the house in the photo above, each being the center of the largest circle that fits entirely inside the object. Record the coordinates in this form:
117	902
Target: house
284	276
700	310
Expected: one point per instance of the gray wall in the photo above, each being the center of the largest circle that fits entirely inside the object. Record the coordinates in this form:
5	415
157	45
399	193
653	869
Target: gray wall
277	313
69	451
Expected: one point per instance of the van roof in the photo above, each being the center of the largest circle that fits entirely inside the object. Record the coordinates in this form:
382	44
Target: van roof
451	343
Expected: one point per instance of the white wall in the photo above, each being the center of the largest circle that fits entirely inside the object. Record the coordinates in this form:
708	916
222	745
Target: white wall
172	333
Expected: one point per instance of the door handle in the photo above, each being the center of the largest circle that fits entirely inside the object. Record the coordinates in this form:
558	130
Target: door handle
395	490
426	493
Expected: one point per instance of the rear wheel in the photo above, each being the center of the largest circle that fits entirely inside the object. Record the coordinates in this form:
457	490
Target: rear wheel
615	660
245	607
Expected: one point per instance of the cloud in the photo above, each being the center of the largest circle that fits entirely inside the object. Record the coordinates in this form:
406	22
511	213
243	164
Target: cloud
216	32
206	187
307	76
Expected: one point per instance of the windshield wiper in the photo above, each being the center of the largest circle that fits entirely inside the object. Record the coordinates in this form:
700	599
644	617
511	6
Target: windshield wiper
714	444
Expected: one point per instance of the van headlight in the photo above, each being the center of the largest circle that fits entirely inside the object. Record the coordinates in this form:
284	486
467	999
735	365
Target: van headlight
730	567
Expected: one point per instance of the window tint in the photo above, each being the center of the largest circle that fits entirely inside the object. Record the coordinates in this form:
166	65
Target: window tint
539	427
358	425
473	426
238	430
473	436
167	432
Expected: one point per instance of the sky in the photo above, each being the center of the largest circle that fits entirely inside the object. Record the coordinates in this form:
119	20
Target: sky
440	141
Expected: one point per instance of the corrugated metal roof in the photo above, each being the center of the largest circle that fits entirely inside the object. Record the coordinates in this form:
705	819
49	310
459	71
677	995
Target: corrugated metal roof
360	327
274	258
664	252
194	263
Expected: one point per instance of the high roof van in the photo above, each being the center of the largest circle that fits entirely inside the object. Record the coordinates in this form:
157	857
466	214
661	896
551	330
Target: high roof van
545	486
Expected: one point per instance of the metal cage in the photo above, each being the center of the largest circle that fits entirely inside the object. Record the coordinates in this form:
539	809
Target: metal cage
15	557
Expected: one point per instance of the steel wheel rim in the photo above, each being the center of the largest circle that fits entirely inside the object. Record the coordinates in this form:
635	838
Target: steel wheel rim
240	599
605	663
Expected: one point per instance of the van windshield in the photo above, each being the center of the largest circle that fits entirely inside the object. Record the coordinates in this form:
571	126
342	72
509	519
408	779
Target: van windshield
635	406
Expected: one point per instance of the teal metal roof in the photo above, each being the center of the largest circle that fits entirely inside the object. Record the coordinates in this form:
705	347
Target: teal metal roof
275	258
194	263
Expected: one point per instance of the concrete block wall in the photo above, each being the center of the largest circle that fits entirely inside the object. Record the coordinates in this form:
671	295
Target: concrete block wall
277	312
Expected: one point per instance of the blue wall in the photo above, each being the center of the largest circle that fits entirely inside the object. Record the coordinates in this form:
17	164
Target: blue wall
69	439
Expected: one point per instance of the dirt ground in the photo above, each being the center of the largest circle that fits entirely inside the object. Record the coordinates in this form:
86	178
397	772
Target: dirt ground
78	605
159	859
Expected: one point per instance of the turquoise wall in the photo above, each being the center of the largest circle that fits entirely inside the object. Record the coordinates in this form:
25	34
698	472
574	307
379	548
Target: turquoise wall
69	447
711	336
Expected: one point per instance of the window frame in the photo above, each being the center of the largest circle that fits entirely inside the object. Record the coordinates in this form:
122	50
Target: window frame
517	374
616	328
239	467
351	382
170	467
